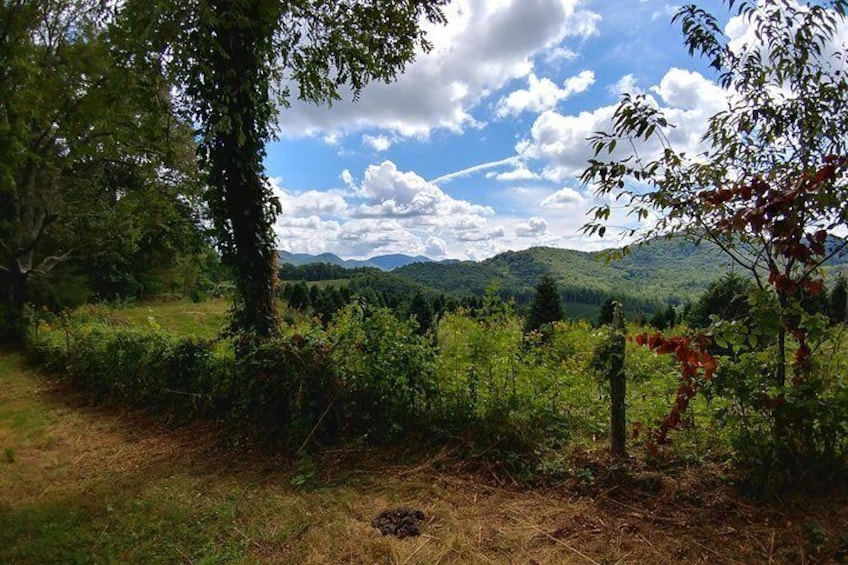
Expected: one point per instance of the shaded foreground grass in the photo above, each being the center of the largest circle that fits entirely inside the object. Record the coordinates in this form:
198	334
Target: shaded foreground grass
84	484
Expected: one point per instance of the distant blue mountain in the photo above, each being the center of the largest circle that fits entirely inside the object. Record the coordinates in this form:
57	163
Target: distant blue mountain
298	259
382	262
395	260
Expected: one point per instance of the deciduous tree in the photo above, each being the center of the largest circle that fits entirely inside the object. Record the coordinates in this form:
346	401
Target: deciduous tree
82	135
237	61
771	184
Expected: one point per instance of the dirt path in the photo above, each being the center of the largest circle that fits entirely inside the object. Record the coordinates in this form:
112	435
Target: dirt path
85	484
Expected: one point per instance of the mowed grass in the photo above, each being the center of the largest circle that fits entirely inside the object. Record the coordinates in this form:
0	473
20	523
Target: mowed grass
93	485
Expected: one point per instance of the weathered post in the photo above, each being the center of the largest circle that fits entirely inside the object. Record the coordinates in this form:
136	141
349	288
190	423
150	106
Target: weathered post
618	434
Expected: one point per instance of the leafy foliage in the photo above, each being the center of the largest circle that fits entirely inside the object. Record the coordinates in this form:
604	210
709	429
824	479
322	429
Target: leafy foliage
664	319
368	376
318	272
646	280
384	370
838	301
768	189
725	299
696	367
89	144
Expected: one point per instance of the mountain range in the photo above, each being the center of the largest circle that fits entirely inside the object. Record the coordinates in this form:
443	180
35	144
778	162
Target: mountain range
382	262
648	277
664	271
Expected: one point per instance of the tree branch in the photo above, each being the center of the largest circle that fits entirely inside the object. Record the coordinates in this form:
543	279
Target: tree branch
48	263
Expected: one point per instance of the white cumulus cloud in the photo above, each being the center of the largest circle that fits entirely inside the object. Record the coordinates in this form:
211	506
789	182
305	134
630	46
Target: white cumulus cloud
390	192
564	198
560	141
543	94
435	248
378	143
483	47
519	173
626	85
310	202
535	227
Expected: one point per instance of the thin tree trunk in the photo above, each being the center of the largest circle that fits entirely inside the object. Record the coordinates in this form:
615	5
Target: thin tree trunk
781	358
779	423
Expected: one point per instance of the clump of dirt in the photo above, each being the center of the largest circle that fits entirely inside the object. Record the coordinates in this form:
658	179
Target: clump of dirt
401	522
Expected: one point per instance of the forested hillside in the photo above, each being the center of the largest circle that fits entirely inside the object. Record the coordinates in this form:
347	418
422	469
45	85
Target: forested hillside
174	392
649	277
298	259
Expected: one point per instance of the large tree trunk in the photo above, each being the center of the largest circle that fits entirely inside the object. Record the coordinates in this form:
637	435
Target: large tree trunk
241	199
13	285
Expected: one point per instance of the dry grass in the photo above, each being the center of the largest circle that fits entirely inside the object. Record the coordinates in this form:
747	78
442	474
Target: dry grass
86	484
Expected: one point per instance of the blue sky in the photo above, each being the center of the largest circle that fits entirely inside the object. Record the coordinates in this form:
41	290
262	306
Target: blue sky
476	148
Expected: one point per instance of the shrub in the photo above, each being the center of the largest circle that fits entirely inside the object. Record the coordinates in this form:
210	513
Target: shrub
503	390
385	371
141	367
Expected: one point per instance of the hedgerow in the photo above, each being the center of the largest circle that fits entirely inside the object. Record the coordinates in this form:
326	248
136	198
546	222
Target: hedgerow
368	375
477	379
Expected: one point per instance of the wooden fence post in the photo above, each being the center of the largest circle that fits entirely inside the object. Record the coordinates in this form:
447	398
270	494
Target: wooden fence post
618	433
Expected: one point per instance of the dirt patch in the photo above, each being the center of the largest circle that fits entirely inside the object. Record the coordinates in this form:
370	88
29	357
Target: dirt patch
401	522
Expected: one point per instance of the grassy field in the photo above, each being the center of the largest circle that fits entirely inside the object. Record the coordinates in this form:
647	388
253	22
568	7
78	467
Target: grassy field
182	317
88	484
321	284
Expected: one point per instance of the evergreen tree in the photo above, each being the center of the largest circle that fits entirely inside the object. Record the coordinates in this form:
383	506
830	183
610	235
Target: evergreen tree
422	311
439	305
299	299
607	309
286	291
345	295
664	319
327	303
546	307
726	298
838	301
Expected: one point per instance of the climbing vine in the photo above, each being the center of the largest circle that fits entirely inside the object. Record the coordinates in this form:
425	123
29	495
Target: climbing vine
697	366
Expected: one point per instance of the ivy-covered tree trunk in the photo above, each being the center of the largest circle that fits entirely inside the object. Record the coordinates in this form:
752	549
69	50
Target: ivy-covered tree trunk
229	57
236	129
